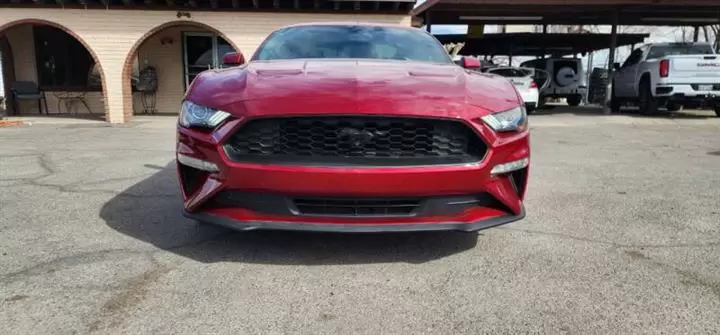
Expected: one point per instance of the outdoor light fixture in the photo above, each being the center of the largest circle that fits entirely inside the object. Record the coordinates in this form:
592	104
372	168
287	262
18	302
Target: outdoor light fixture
501	18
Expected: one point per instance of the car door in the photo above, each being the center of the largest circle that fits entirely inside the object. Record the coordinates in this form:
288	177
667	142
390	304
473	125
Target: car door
625	77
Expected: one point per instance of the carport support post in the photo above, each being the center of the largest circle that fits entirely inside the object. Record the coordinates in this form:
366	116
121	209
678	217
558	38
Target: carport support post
428	22
611	62
696	34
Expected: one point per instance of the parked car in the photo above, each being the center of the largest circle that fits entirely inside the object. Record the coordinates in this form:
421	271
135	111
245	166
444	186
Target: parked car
351	127
525	82
567	79
668	75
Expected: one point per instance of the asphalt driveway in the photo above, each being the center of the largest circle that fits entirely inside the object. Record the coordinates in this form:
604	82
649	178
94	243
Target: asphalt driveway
622	236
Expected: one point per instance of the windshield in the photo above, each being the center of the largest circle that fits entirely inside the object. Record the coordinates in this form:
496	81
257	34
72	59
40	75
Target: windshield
679	49
346	41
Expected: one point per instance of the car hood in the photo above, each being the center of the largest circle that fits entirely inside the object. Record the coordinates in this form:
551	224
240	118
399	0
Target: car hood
352	86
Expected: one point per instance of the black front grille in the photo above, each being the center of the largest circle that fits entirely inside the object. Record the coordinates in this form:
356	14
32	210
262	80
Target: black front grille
370	141
356	207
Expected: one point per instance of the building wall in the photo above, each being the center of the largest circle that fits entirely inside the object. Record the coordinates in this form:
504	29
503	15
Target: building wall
112	34
168	61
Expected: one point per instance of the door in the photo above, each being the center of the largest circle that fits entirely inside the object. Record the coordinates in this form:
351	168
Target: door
201	52
624	83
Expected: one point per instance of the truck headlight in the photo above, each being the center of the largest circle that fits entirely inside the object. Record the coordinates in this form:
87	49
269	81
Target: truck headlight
511	120
193	115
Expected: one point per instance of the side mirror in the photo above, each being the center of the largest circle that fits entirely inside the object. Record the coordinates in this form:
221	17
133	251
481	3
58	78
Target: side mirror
471	63
233	59
616	66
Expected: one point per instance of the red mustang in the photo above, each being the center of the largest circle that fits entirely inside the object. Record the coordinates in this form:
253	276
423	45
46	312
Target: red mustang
348	127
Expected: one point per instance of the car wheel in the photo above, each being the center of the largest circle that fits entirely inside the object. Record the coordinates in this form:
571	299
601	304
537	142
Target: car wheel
541	103
674	107
574	100
648	104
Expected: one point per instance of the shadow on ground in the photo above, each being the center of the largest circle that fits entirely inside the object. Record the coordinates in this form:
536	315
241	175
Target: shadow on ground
598	111
150	211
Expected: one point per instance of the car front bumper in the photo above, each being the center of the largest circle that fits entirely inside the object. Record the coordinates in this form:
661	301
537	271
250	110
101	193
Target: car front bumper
240	225
274	188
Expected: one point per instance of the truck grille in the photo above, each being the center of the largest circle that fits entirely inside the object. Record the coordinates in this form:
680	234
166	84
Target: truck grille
355	141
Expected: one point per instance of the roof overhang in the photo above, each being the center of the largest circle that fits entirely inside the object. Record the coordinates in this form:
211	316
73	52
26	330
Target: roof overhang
292	6
535	44
571	12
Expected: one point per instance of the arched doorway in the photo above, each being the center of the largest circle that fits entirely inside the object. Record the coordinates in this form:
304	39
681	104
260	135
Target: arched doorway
54	71
175	52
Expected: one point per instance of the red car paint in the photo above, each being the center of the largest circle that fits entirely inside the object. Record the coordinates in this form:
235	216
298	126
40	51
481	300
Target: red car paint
326	87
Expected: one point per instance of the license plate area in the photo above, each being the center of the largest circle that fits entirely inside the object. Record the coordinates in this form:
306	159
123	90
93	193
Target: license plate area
705	87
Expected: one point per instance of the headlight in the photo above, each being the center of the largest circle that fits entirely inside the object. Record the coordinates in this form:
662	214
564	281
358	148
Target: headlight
512	120
192	115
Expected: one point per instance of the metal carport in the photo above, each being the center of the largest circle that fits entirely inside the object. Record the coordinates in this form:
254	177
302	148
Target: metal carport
695	13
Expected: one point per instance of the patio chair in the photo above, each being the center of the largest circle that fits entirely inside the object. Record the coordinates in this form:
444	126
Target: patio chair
27	90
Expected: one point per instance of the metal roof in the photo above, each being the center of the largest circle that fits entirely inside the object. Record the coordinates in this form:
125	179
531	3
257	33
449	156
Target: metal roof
570	12
537	44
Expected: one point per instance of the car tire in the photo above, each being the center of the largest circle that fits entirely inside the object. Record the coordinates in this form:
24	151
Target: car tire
648	104
574	100
541	103
674	107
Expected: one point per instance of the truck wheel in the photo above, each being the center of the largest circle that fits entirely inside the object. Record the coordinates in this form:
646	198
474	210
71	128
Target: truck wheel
674	107
648	104
574	100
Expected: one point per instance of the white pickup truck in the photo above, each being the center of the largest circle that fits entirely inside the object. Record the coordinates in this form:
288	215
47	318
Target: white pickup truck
668	75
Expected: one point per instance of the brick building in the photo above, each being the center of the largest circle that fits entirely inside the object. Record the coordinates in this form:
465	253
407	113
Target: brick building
83	54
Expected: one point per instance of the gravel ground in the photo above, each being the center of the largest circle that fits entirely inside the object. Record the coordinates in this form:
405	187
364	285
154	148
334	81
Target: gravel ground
622	237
